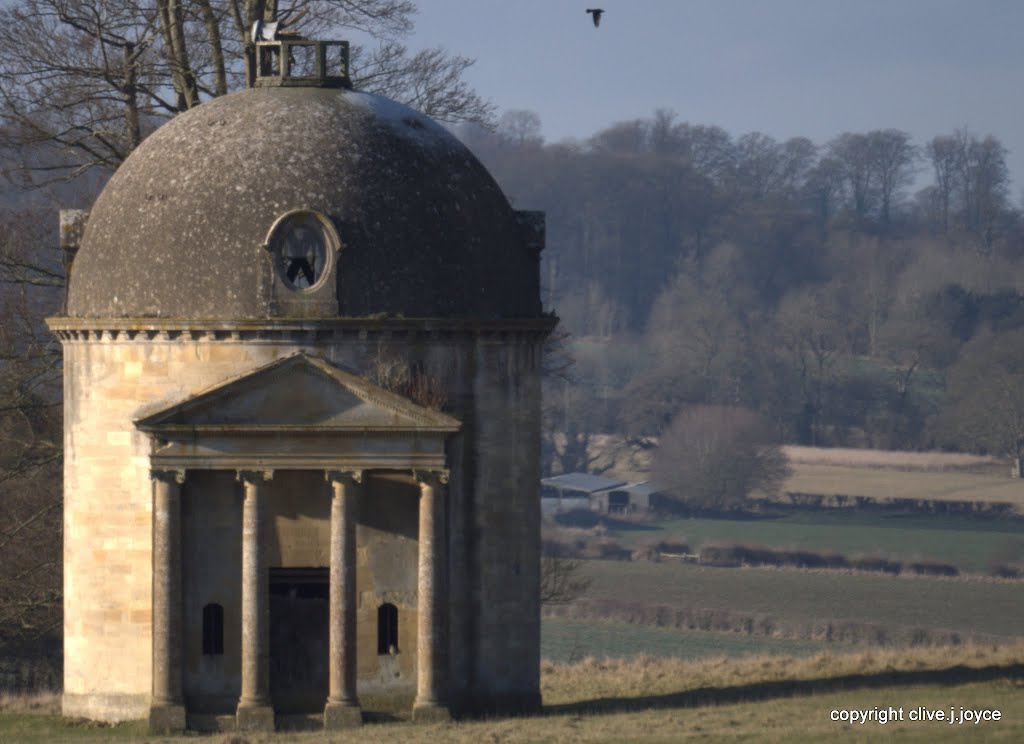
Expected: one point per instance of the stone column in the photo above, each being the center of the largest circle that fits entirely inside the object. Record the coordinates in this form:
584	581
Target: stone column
167	708
431	702
255	711
342	709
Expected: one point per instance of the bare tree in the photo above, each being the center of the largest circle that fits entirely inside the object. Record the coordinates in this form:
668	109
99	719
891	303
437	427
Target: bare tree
824	188
893	158
560	580
810	336
83	81
429	80
520	128
984	408
852	153
713	457
765	167
876	166
946	156
573	425
971	183
30	435
985	179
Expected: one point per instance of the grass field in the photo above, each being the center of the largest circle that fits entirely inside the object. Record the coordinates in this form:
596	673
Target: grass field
895	459
972	545
892	483
796	598
567	641
656	701
879	474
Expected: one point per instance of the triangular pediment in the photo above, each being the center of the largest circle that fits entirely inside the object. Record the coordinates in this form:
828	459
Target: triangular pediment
299	392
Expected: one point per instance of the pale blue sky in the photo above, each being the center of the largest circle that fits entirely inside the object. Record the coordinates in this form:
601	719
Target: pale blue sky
814	68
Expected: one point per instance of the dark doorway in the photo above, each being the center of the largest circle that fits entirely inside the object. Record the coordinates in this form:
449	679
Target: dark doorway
618	502
299	638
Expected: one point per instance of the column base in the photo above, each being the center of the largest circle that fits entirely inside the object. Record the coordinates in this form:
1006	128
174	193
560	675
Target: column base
430	713
255	718
166	719
342	716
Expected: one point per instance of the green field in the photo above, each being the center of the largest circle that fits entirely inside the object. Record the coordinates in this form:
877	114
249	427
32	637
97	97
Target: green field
567	641
795	598
972	545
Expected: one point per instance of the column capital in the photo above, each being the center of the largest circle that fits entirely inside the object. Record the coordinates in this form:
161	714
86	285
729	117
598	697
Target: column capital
254	476
432	477
355	476
168	475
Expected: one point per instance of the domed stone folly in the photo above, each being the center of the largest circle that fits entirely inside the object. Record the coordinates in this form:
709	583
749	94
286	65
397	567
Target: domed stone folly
302	344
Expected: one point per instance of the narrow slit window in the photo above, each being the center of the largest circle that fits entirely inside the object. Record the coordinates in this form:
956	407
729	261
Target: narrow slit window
387	630
213	630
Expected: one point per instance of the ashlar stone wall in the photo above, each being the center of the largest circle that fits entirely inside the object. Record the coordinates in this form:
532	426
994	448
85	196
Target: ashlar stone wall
114	377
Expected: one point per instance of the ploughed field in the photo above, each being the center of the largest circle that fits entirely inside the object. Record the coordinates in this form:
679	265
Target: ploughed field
877	609
566	641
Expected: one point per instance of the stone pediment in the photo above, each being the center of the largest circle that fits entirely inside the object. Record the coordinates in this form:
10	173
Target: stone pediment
297	393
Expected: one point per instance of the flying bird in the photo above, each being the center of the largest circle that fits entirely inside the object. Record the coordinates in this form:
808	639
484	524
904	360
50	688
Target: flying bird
596	12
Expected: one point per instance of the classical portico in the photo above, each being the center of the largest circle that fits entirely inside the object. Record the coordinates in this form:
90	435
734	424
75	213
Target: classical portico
320	418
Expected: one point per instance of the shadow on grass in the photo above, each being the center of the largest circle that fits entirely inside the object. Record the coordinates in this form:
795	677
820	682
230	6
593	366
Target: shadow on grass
707	696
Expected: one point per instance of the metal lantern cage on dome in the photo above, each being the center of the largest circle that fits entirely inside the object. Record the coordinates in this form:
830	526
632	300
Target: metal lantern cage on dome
285	59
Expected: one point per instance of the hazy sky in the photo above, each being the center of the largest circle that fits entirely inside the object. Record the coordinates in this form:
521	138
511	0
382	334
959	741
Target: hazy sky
786	68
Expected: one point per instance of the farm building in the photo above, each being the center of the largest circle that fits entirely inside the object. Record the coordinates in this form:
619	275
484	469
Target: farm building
302	347
627	498
585	491
572	491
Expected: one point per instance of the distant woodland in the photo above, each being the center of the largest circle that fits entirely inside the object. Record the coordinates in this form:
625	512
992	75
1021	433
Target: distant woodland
865	291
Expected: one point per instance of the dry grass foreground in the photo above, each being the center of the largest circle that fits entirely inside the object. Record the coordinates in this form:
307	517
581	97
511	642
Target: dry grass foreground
656	701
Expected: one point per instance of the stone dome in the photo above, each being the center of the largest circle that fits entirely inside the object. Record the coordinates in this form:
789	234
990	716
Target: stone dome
181	229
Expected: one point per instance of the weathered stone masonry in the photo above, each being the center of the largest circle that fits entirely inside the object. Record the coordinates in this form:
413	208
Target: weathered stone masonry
255	525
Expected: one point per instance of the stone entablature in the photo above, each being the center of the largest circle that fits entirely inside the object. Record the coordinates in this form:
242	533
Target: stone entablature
297	413
314	331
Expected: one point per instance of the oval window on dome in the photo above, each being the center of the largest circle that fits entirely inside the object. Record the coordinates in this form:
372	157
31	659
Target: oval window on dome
302	244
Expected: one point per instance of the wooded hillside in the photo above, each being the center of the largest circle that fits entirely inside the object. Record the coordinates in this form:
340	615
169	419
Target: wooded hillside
865	291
